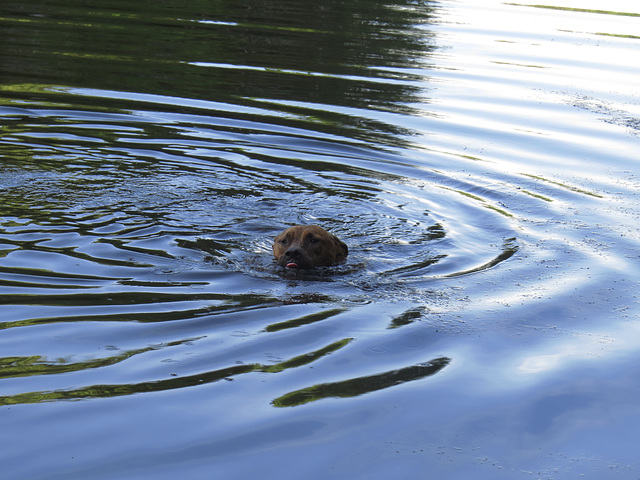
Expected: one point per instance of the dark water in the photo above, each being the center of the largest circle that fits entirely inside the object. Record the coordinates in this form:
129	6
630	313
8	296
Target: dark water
480	159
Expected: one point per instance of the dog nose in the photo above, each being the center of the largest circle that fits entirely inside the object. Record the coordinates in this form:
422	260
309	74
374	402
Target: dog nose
292	253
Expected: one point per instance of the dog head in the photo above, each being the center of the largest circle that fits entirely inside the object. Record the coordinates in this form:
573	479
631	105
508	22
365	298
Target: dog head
308	246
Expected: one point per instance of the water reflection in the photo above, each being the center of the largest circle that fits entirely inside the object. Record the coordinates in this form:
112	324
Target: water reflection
145	173
357	55
361	385
20	367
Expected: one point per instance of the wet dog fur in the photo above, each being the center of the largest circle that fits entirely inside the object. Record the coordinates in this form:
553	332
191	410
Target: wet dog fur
308	246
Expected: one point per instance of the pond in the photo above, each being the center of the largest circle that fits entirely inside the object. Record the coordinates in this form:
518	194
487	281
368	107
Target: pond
480	160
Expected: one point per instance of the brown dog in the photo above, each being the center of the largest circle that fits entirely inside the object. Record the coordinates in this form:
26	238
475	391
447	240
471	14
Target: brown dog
307	246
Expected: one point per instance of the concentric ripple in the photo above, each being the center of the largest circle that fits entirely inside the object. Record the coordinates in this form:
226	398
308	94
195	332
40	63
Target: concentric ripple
132	220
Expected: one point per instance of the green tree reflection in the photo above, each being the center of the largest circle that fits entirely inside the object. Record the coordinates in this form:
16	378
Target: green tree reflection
361	385
358	54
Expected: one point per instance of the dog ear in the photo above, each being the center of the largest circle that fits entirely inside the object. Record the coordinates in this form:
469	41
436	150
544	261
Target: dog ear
341	249
276	247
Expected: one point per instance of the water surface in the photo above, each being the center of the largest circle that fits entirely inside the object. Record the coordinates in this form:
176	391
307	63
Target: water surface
479	159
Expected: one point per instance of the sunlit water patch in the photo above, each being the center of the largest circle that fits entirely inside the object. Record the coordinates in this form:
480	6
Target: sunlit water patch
480	165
